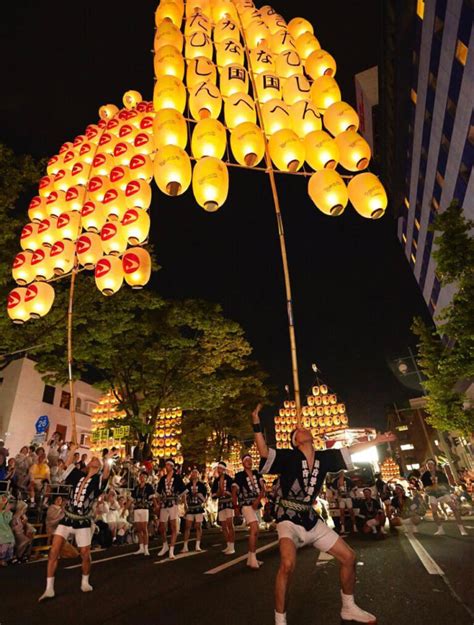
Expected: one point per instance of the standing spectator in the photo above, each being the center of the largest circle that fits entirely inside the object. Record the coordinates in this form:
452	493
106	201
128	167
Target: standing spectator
436	486
23	462
39	476
60	472
384	492
3	467
53	454
12	476
7	540
371	514
3	451
22	531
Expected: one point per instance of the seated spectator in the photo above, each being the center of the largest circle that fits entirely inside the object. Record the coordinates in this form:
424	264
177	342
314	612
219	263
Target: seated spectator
54	514
12	476
39	477
22	531
23	462
60	472
404	511
111	517
3	467
7	540
371	516
123	513
341	488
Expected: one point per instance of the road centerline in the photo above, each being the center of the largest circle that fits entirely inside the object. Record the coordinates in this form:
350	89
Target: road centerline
235	561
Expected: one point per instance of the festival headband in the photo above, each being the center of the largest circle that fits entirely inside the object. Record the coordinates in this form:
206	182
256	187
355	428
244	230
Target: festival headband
222	464
170	462
246	456
293	438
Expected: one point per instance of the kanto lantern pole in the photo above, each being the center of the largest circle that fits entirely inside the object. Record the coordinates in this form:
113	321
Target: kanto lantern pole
281	233
70	309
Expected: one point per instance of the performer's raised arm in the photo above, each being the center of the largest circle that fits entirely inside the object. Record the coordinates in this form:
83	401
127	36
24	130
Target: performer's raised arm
257	428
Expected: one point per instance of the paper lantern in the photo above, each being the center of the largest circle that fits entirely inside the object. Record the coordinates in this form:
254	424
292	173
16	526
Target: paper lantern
68	226
114	203
39	298
282	41
306	44
205	100
138	193
224	9
107	111
141	167
268	87
136	264
74	198
288	64
53	165
113	239
262	60
198	23
29	239
248	14
354	150
61	257
304	118
79	175
340	117
16	307
167	34
169	128
324	389
93	216
276	116
296	88
321	150
168	61
298	26
109	275
123	152
226	29
248	144
62	181
93	133
239	108
275	23
22	271
257	34
367	195
143	144
233	79
131	99
56	203
320	63
136	225
120	177
97	188
229	52
286	150
45	185
102	164
200	69
324	92
108	140
126	132
210	183
172	170
37	209
327	190
86	152
169	93
198	44
47	232
89	250
169	11
208	139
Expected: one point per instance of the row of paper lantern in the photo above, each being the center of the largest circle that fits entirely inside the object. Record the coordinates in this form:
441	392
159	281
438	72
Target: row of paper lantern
167	453
322	400
166	442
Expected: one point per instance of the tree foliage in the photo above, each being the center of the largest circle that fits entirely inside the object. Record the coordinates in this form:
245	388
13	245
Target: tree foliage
445	353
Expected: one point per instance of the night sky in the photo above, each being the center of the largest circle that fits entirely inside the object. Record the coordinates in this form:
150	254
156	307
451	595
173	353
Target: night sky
354	293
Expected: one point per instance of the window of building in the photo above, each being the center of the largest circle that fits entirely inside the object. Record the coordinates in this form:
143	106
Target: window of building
420	8
65	400
407	446
414	245
445	143
439	179
435	204
417	224
48	394
451	107
412	467
85	440
1	381
461	52
438	26
432	81
78	404
464	172
413	258
413	96
404	238
407	203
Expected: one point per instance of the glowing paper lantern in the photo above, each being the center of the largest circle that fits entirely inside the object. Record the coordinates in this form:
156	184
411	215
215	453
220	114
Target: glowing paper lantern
89	250
321	150
222	10
86	152
53	165
22	271
229	52
198	23
93	216
354	150
239	108
75	197
113	238
296	88
143	144
340	117
200	69
367	195
123	152
39	298
169	61
286	150
62	181
233	79
167	34
248	144
136	225
298	26
138	193
169	128
29	239
114	203
169	92
276	116
225	29
41	264
47	232
172	170
288	64
37	209
107	111
208	139
210	183
320	63
282	41
45	185
97	188
109	275
304	118
327	190
205	101
268	87
306	44
120	176
136	264
198	44
257	34
56	203
103	163
68	226
324	92
169	11
61	257
141	167
108	140
16	307
261	60
131	99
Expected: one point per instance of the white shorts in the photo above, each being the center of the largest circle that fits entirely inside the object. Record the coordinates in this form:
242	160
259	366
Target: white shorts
344	502
198	518
227	513
322	537
141	515
82	535
249	514
443	499
169	514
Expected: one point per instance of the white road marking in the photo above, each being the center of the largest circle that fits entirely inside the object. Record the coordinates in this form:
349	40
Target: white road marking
227	565
180	556
427	561
122	555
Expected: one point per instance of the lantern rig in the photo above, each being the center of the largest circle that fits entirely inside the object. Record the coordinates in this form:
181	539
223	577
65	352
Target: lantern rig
222	68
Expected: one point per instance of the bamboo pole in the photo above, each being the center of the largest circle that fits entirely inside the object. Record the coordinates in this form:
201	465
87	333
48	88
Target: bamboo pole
281	232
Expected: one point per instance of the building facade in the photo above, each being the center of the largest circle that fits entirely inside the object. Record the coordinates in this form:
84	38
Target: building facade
24	397
440	143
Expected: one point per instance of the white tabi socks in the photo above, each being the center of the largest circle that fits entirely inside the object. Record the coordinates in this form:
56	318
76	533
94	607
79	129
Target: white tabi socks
140	550
280	618
352	613
229	551
185	547
49	592
85	586
145	550
252	561
164	549
172	556
198	545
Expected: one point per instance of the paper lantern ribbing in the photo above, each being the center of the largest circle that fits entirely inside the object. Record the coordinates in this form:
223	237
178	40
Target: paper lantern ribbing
239	108
61	257
136	226
324	92
89	250
169	93
327	190
210	183
39	298
172	170
16	307
321	150
367	196
169	128
22	270
41	265
136	264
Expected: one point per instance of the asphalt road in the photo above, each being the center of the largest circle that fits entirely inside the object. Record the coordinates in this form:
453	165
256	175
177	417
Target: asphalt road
393	582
